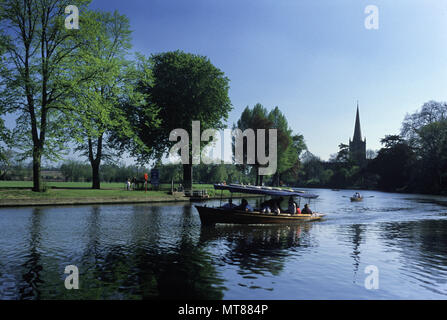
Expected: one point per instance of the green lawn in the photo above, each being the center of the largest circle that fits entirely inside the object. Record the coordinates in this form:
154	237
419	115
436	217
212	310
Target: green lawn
104	185
21	190
29	184
9	194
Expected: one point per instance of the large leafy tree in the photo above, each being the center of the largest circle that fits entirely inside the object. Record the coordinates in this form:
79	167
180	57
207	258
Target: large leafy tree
37	51
393	163
430	112
289	145
5	141
425	132
253	118
97	101
290	174
185	87
433	140
5	137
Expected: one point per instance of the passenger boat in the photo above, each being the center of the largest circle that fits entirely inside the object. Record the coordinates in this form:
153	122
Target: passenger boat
211	215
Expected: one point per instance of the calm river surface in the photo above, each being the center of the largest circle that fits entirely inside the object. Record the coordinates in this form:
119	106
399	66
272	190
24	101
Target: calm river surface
162	251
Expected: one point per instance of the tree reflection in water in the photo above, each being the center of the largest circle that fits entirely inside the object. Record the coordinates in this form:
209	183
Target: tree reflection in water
143	268
163	252
32	267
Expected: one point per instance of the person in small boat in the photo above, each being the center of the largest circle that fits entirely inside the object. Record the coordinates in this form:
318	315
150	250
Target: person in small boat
229	205
306	209
244	206
357	195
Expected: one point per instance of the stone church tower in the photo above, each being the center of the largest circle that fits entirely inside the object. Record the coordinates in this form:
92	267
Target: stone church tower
357	147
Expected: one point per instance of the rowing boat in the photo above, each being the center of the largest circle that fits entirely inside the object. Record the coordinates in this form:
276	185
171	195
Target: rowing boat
356	199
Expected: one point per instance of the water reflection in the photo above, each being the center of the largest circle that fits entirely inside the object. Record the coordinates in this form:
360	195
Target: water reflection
422	248
355	235
32	267
141	268
257	249
163	252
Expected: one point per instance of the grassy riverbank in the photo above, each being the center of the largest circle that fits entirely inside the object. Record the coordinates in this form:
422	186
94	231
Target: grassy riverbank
18	193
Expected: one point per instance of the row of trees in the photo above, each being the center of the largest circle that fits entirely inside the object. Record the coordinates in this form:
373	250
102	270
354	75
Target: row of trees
78	89
71	171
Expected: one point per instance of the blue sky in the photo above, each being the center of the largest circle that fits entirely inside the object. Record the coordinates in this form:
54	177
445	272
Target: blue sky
312	58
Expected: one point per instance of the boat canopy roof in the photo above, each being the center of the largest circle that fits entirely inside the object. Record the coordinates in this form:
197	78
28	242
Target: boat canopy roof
271	191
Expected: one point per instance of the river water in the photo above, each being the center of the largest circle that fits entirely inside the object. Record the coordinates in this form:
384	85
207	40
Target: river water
162	251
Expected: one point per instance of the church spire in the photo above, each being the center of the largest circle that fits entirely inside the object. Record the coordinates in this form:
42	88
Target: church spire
357	130
357	147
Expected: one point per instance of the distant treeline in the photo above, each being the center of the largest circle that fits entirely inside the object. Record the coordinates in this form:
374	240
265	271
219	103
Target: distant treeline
73	171
79	171
413	161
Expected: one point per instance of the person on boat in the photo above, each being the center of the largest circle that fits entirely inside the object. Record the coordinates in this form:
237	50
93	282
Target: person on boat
357	195
292	205
272	205
229	205
265	206
244	206
298	210
276	209
306	209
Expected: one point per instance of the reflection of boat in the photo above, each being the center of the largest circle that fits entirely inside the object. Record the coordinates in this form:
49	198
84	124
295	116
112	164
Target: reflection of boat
260	236
356	199
209	215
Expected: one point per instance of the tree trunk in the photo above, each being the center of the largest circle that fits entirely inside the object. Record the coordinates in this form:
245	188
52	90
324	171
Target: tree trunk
95	162
37	178
187	176
96	183
257	175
